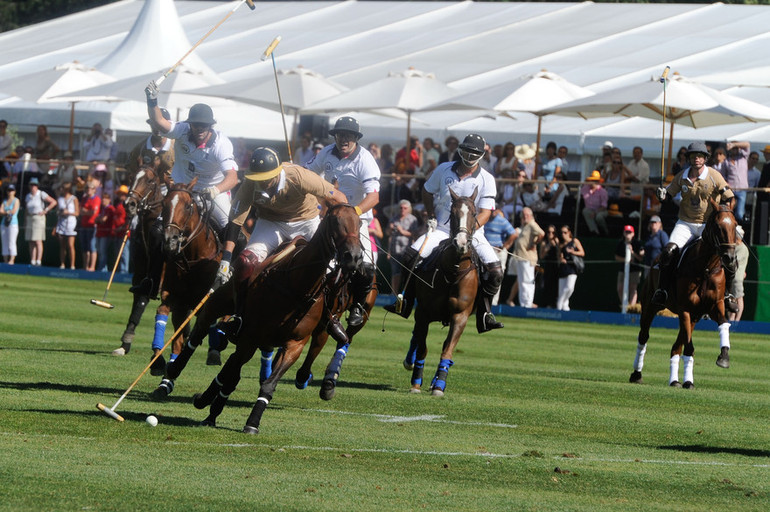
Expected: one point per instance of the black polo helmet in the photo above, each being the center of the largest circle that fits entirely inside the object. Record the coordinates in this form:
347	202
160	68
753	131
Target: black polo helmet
201	113
264	165
346	124
472	149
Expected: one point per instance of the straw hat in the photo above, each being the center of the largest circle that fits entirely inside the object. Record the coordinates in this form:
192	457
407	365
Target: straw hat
595	176
524	152
614	210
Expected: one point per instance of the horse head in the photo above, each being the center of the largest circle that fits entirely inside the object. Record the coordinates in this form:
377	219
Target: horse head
181	217
145	191
342	229
462	221
721	233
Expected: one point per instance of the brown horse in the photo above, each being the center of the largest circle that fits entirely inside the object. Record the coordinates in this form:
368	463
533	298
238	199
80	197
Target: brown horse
145	199
446	293
192	253
284	306
699	289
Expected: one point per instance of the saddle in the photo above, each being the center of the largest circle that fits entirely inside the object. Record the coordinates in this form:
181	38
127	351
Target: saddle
280	252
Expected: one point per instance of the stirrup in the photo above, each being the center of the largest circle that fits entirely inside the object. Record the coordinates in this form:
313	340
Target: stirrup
356	315
660	297
488	323
230	327
731	304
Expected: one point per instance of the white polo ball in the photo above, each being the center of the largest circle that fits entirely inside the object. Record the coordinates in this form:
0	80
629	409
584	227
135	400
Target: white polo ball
152	421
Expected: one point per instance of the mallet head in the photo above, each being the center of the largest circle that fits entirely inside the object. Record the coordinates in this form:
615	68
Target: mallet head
102	304
109	412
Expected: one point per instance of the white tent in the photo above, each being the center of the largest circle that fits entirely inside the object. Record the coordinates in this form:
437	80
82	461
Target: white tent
470	45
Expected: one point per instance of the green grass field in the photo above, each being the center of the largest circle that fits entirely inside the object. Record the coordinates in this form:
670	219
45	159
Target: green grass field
520	403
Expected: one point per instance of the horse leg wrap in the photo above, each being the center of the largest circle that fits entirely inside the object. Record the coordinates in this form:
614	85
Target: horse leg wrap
255	418
439	380
167	385
202	400
417	372
160	331
641	349
266	365
689	362
674	368
335	365
218	405
411	354
724	335
175	367
215	337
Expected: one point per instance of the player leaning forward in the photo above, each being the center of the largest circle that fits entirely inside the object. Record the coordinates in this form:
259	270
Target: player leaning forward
287	200
200	152
462	177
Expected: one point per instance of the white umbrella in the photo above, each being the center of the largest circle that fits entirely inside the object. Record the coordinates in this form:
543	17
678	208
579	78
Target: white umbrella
528	93
753	77
173	94
45	86
686	102
409	91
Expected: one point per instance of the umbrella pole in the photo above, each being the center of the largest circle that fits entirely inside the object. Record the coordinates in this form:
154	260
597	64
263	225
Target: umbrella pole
72	125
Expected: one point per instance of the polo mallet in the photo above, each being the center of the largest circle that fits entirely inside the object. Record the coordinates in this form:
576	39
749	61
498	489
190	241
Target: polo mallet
110	411
172	68
269	53
664	81
103	303
400	296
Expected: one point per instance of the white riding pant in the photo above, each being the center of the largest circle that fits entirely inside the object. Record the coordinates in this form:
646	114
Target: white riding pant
684	232
268	234
526	273
483	248
220	210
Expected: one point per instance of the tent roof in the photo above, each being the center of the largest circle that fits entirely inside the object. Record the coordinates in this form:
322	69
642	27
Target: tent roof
469	45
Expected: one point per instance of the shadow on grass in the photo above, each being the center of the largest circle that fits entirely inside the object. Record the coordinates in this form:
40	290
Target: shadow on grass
64	350
717	449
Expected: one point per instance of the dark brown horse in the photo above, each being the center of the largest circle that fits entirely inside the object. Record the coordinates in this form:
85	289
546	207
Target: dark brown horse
698	290
445	293
285	304
145	199
192	253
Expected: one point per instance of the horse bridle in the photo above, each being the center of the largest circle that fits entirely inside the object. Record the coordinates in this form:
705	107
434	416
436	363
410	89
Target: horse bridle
142	201
185	240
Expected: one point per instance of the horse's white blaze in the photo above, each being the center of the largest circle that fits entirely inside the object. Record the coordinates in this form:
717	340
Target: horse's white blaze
139	176
461	239
174	204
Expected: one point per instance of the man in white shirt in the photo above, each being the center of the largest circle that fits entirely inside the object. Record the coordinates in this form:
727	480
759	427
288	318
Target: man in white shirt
98	145
641	171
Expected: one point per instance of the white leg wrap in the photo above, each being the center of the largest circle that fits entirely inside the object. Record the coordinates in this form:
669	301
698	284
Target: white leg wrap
674	369
724	335
641	349
263	399
689	362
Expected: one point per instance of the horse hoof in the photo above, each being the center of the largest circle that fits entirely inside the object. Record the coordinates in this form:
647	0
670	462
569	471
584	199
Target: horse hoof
636	378
688	385
723	361
299	383
408	366
436	392
213	358
675	384
158	368
160	393
248	429
199	402
328	387
122	351
208	422
415	390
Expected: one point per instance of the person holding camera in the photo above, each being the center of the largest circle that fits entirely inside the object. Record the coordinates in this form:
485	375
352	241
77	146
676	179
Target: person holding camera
98	145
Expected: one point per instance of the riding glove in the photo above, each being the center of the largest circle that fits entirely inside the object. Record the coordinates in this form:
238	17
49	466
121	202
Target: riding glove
660	193
223	273
211	192
432	224
152	90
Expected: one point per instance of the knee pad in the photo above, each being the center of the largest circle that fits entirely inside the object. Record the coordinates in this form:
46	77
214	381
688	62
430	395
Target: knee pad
244	265
668	253
493	278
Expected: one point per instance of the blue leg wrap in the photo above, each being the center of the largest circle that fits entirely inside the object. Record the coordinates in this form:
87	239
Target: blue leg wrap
417	372
266	365
160	331
332	372
439	381
411	354
172	358
214	335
